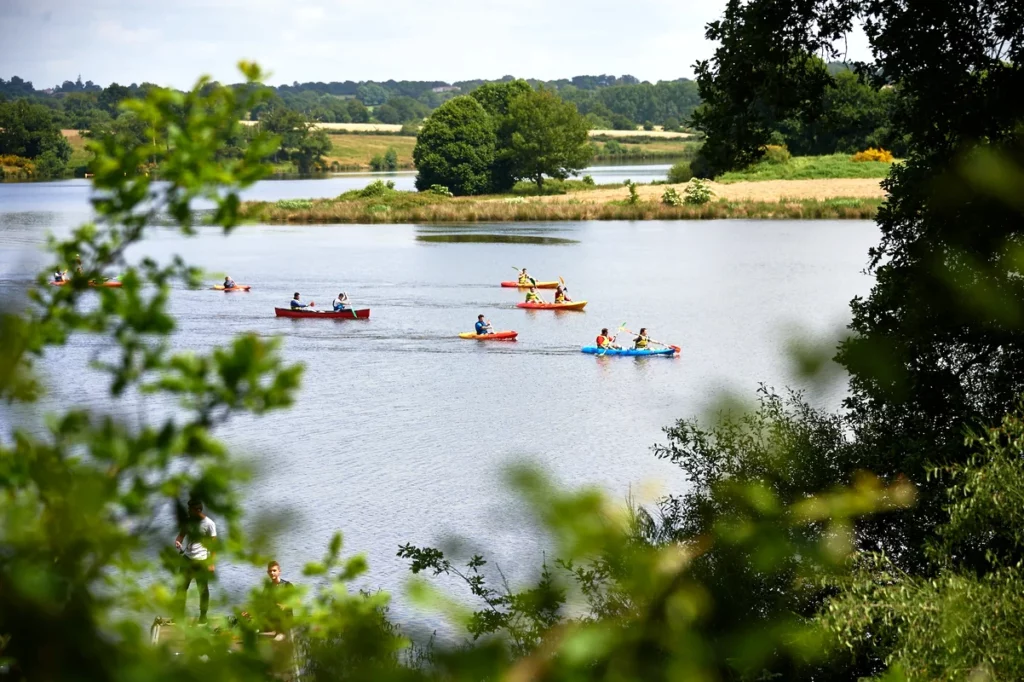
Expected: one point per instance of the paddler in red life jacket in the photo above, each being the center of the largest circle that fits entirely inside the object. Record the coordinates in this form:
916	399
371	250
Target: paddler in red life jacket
605	341
296	303
561	296
532	297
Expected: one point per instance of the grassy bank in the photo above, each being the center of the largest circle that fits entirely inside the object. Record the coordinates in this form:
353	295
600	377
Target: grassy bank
644	148
353	152
411	207
809	168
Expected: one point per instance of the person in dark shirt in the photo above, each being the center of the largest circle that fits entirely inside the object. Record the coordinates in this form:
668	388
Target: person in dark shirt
274	572
296	303
482	327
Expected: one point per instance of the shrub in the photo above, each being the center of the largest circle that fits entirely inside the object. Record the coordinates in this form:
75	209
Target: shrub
439	190
671	197
698	193
614	148
872	154
410	128
620	122
776	154
294	204
680	172
648	125
377	188
634	196
588	180
386	162
23	167
671	124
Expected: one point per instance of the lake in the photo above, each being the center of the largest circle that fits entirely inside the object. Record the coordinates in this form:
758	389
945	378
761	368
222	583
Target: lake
401	430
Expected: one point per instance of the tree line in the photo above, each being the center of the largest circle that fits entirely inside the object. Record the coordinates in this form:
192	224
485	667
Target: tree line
853	113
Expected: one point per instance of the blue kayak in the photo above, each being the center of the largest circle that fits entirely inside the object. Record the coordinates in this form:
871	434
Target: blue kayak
594	350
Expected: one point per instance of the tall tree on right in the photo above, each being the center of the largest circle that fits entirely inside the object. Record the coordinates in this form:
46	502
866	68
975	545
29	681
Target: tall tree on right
938	345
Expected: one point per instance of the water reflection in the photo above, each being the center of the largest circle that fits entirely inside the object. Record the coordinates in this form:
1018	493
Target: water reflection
491	239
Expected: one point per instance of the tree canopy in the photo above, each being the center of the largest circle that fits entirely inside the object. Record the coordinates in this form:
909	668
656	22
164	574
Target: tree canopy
456	148
532	134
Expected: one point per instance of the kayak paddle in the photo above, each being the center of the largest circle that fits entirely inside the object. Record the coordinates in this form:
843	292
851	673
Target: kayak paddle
660	343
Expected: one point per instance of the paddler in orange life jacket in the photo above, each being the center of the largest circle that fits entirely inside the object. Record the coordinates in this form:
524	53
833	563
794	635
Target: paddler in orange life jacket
561	296
605	341
532	297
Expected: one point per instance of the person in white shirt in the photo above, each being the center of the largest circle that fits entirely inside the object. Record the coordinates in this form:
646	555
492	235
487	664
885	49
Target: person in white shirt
197	557
341	303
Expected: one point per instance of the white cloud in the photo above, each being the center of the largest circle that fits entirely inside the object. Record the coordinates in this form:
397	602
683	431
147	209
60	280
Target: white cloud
114	31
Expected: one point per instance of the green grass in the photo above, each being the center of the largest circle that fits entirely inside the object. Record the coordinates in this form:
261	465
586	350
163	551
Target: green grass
649	148
810	168
80	156
392	206
353	152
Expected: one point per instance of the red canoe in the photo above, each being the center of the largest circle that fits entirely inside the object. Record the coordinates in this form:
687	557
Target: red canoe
363	314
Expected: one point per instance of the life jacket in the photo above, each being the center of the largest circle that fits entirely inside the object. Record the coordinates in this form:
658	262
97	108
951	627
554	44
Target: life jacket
532	297
559	298
641	342
603	341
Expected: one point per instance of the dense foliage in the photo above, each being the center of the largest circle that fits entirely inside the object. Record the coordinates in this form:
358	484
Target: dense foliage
938	345
532	134
456	148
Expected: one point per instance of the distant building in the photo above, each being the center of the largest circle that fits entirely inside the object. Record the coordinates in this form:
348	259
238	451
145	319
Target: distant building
446	88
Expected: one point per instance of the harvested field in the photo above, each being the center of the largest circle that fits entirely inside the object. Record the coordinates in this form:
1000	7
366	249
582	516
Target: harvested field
761	191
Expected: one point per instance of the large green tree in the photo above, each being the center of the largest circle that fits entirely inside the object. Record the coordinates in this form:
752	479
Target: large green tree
496	99
456	148
29	130
939	343
300	141
547	138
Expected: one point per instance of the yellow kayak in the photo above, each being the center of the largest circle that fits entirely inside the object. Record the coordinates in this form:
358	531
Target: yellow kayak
539	285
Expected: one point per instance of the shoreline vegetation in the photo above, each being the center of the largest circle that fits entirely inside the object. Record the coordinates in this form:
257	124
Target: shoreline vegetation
856	199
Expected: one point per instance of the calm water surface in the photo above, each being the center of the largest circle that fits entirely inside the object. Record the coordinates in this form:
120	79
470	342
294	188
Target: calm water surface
401	430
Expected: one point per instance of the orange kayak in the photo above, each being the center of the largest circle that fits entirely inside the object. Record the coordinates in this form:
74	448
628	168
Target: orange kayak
237	287
571	305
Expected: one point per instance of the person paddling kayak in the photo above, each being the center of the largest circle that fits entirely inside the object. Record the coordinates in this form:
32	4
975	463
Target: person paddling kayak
524	277
532	297
296	303
482	327
341	303
642	339
60	276
228	282
605	341
561	296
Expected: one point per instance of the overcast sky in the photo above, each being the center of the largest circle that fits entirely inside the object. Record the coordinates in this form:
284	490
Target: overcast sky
171	42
